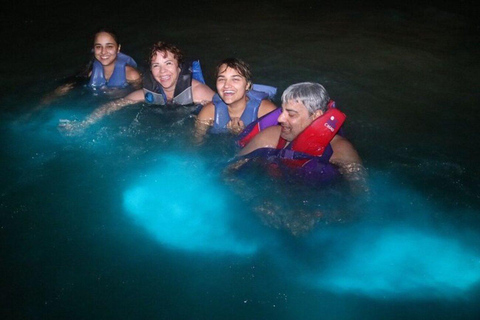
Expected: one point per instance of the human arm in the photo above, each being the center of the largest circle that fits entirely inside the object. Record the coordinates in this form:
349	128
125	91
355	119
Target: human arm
113	106
346	158
267	138
57	93
202	94
133	77
204	121
266	106
77	127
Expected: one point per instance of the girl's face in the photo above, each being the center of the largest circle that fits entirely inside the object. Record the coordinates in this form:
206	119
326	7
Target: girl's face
231	85
105	48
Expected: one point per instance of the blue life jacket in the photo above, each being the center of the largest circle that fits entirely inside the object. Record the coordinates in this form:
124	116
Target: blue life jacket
272	91
249	115
183	94
118	78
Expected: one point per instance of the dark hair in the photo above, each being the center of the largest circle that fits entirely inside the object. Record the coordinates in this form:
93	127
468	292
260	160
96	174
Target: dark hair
109	31
240	66
164	47
88	67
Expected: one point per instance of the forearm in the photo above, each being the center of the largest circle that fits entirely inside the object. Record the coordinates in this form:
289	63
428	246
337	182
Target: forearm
355	173
201	129
136	84
107	109
57	93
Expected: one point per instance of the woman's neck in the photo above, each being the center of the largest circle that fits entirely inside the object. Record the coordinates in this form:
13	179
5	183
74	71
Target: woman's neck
237	108
169	92
108	71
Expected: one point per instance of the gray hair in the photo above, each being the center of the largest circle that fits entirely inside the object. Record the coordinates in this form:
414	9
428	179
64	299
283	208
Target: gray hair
312	95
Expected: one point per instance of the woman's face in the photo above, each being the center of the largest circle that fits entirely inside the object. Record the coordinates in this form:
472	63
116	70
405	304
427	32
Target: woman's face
231	85
105	48
165	69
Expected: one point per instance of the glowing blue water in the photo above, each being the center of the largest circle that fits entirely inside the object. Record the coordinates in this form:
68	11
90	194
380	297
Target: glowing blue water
403	262
131	220
182	206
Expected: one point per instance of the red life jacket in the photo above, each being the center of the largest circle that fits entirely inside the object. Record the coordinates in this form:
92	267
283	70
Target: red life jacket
314	139
308	154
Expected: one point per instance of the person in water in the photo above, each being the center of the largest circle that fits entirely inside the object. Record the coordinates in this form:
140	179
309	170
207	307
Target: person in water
302	104
235	105
109	67
169	81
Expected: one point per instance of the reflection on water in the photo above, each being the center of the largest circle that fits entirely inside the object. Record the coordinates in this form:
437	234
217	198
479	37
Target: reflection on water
132	220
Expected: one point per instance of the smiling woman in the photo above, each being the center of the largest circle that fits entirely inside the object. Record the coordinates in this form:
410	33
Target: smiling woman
235	105
130	221
109	68
170	81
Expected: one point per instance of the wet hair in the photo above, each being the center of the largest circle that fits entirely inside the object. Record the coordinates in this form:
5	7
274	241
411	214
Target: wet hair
164	47
240	66
312	95
106	30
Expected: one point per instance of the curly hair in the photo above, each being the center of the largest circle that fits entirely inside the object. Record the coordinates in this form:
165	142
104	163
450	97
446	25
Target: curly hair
164	47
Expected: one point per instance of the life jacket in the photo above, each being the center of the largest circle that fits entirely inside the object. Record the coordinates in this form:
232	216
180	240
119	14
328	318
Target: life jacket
313	141
249	115
308	154
118	78
183	94
271	91
268	120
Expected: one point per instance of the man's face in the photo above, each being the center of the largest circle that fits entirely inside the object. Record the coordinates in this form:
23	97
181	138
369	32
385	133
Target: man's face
293	119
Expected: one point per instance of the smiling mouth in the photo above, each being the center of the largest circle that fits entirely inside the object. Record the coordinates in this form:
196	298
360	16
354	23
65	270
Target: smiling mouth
285	131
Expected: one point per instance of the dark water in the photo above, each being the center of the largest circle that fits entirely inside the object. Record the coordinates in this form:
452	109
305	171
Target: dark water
133	221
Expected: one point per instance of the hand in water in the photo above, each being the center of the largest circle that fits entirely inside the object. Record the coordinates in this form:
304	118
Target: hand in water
236	126
59	92
71	128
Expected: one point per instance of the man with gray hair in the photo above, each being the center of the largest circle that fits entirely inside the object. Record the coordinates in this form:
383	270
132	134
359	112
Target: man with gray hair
312	95
302	104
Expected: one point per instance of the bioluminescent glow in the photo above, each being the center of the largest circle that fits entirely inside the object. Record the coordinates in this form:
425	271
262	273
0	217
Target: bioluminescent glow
406	256
182	206
404	262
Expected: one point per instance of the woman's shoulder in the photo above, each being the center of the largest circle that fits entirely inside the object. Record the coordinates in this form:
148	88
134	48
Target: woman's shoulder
207	112
131	73
201	92
266	107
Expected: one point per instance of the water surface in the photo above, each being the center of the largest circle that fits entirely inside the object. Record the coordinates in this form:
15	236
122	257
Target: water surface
131	220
